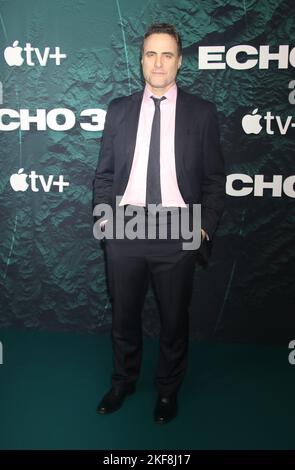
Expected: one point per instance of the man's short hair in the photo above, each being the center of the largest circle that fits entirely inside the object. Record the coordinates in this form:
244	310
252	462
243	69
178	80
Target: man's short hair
164	28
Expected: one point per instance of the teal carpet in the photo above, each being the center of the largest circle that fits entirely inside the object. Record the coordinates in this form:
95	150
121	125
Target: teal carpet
233	397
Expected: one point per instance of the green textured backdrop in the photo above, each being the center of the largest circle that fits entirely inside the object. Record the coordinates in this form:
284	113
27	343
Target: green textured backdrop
52	269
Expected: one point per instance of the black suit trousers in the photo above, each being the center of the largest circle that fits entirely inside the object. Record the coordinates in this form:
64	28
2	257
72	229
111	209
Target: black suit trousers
131	265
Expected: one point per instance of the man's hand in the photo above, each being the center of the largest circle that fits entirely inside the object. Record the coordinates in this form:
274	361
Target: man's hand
204	235
103	224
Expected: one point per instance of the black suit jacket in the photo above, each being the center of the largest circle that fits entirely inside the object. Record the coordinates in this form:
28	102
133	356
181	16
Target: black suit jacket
198	157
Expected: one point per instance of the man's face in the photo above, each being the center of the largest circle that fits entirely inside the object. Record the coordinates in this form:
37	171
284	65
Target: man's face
160	62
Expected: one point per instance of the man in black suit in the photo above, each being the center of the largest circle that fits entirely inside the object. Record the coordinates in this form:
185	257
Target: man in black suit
160	146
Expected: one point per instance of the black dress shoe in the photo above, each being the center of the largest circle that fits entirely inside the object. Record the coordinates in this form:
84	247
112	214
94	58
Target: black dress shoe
113	400
166	409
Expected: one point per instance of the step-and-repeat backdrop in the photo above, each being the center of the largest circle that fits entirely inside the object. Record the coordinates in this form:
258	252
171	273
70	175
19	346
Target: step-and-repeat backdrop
61	63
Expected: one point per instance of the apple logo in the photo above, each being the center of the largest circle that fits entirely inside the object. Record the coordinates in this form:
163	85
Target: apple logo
251	124
18	181
13	55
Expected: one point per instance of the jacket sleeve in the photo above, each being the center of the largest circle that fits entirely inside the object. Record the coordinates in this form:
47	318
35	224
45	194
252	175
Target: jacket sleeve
104	173
213	178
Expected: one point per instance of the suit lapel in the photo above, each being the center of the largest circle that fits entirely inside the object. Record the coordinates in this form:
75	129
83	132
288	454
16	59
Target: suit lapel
181	125
131	126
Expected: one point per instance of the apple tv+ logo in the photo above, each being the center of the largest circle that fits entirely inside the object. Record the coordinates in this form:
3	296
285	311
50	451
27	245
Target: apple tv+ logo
13	55
251	123
18	182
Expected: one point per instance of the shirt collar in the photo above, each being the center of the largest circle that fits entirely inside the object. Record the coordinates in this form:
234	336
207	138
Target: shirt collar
171	94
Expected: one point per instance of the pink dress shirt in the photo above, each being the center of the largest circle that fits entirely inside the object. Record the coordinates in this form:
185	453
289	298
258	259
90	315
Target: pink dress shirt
135	192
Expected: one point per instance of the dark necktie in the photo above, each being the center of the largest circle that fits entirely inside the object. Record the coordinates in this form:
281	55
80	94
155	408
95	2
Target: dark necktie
153	182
